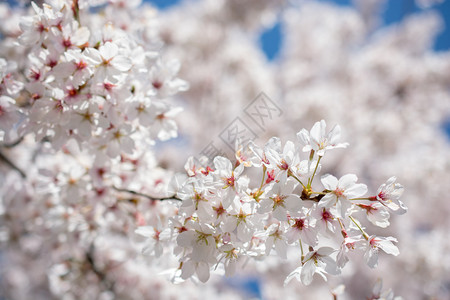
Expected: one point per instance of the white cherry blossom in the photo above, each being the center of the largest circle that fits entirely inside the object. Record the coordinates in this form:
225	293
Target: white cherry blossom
374	244
340	193
388	195
314	262
319	140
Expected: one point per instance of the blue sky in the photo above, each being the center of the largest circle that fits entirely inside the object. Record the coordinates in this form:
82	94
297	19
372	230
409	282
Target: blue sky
394	12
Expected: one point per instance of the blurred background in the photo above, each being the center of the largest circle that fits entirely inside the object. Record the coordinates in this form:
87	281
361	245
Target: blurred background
391	12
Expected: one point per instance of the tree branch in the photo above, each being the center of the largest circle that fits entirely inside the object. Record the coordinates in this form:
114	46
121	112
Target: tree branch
13	144
145	195
102	276
11	164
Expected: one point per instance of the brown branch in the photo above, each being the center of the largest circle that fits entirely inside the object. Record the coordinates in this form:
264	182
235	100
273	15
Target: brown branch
13	144
307	196
102	276
11	164
174	197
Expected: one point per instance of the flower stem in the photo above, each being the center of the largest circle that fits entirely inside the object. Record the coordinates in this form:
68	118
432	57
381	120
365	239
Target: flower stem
366	236
366	198
314	173
146	196
295	177
301	249
264	177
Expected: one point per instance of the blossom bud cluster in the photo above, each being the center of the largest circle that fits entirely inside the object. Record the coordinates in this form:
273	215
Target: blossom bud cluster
224	218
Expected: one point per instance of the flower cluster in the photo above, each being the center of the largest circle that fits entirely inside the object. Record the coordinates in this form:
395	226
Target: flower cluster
224	218
92	80
79	109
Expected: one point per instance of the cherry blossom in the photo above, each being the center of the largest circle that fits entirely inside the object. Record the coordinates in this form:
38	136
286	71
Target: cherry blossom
374	243
341	192
314	262
318	140
388	195
154	241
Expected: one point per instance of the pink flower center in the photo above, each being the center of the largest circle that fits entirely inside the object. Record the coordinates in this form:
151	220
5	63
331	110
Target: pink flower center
52	63
368	208
101	172
230	181
339	192
283	165
299	224
326	215
156	236
270	176
206	172
67	43
81	65
157	84
72	92
41	28
278	200
108	86
35	75
219	210
59	106
382	196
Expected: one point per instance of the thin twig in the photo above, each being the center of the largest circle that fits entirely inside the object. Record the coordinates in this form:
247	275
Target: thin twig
11	164
13	144
102	276
146	196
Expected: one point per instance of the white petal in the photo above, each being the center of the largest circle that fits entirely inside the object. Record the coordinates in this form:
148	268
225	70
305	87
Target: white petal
269	244
324	251
148	249
281	248
293	203
108	50
388	247
316	131
303	136
93	56
371	257
188	269
347	181
146	231
328	200
334	135
222	163
280	213
330	265
203	271
121	63
329	182
244	233
293	274
356	191
186	238
308	270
